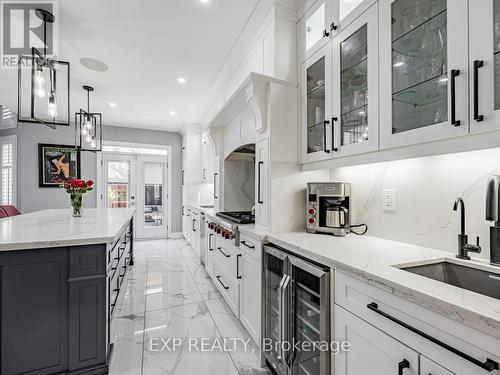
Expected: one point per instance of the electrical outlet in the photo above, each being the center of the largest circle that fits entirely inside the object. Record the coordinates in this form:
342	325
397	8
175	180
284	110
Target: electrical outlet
389	200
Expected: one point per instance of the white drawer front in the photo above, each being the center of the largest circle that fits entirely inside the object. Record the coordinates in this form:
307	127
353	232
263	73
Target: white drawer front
228	287
355	296
251	247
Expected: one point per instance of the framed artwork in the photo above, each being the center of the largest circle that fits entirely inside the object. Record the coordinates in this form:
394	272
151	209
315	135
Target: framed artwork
57	163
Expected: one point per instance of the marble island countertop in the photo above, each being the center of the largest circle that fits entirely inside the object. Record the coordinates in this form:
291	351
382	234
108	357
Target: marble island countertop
377	261
51	228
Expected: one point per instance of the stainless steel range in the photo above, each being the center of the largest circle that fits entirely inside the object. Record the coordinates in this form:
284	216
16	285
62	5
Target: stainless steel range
238	217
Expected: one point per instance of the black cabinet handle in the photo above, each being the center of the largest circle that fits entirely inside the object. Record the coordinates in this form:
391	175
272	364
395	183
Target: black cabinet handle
334	149
210	248
221	283
477	64
325	149
183	211
223	253
259	197
402	365
183	177
194	221
215	186
454	73
204	174
333	26
244	243
238	276
488	365
326	34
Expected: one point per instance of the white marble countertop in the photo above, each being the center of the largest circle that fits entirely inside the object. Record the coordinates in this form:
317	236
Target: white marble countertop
51	228
373	259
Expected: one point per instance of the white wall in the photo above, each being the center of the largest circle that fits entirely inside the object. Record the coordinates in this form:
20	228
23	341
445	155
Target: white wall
426	189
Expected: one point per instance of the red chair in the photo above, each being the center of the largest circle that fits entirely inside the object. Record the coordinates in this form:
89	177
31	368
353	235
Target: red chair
8	210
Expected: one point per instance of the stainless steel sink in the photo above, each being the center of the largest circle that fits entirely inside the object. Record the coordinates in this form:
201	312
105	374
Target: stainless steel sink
473	279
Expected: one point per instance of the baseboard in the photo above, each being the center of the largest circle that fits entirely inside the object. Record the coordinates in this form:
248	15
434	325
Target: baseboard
176	235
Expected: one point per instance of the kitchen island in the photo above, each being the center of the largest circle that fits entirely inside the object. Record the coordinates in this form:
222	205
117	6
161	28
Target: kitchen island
60	279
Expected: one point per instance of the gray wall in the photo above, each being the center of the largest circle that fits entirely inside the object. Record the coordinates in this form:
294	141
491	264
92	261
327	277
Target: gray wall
32	198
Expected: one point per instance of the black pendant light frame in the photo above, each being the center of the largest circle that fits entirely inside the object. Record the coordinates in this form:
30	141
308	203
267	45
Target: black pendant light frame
81	119
39	61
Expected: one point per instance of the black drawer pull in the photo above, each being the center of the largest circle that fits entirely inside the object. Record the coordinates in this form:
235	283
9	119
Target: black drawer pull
221	283
116	290
325	149
489	365
477	65
223	253
454	73
113	268
238	276
402	365
334	149
244	243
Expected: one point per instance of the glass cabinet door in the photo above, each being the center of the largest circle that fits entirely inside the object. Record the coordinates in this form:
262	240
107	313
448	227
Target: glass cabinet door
426	99
315	27
316	106
355	82
484	44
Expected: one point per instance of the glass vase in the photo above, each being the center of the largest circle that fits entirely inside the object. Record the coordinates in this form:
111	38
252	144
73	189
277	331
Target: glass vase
76	204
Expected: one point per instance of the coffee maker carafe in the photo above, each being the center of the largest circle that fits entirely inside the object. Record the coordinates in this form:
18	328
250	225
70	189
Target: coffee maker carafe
328	208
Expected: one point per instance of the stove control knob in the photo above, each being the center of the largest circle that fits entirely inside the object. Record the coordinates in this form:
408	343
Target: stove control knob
312	211
312	220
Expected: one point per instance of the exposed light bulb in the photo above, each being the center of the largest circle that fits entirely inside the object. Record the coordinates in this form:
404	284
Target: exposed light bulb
88	124
93	143
89	138
52	107
39	84
84	131
181	80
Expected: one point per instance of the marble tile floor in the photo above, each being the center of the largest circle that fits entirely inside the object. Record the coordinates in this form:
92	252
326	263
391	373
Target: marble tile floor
167	294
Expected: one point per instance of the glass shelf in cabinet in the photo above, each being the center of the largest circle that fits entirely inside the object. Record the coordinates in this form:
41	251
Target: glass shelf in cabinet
424	93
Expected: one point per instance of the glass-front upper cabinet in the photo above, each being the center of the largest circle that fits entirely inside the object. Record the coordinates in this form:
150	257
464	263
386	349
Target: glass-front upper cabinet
316	106
315	27
355	86
423	71
484	44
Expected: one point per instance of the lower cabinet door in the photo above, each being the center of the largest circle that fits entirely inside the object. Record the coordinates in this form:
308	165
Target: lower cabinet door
249	272
371	351
427	367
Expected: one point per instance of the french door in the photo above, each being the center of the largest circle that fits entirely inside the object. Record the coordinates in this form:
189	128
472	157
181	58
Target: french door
138	181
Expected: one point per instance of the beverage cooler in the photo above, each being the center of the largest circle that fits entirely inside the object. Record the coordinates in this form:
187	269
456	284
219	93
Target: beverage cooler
296	309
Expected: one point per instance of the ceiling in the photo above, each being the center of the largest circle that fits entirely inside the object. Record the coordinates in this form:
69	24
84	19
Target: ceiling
147	46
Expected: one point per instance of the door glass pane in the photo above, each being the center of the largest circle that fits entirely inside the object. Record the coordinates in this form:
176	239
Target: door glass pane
496	50
316	106
419	64
315	25
354	88
153	194
347	6
306	316
118	173
273	276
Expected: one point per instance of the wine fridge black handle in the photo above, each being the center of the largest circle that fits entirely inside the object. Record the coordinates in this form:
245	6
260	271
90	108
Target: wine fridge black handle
238	276
402	365
259	182
334	149
488	365
215	185
454	73
223	253
477	64
325	149
247	245
221	283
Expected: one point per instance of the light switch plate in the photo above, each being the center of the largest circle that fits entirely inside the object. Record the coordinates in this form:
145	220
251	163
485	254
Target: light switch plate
389	200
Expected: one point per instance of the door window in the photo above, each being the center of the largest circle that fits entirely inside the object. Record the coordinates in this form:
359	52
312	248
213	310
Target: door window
118	184
153	194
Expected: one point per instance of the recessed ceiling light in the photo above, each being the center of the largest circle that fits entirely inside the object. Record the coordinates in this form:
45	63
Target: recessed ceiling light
112	104
181	80
204	1
93	64
172	113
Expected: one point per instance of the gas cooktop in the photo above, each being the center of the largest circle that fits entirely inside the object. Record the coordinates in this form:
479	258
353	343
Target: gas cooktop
238	217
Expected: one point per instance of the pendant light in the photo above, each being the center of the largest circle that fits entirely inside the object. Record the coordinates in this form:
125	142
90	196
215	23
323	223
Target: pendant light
88	127
43	90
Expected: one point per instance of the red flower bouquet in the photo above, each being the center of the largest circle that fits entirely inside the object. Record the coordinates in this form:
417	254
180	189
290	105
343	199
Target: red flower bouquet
76	188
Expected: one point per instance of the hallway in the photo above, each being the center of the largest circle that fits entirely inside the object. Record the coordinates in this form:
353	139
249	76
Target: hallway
168	295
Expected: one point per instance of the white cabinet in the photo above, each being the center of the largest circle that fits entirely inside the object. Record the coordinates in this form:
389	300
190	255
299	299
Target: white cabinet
355	87
315	27
250	271
217	185
262	182
484	64
191	158
371	351
316	106
428	367
423	74
184	222
207	160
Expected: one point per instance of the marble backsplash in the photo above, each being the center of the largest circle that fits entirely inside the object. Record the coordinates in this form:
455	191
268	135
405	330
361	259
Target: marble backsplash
239	184
426	189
